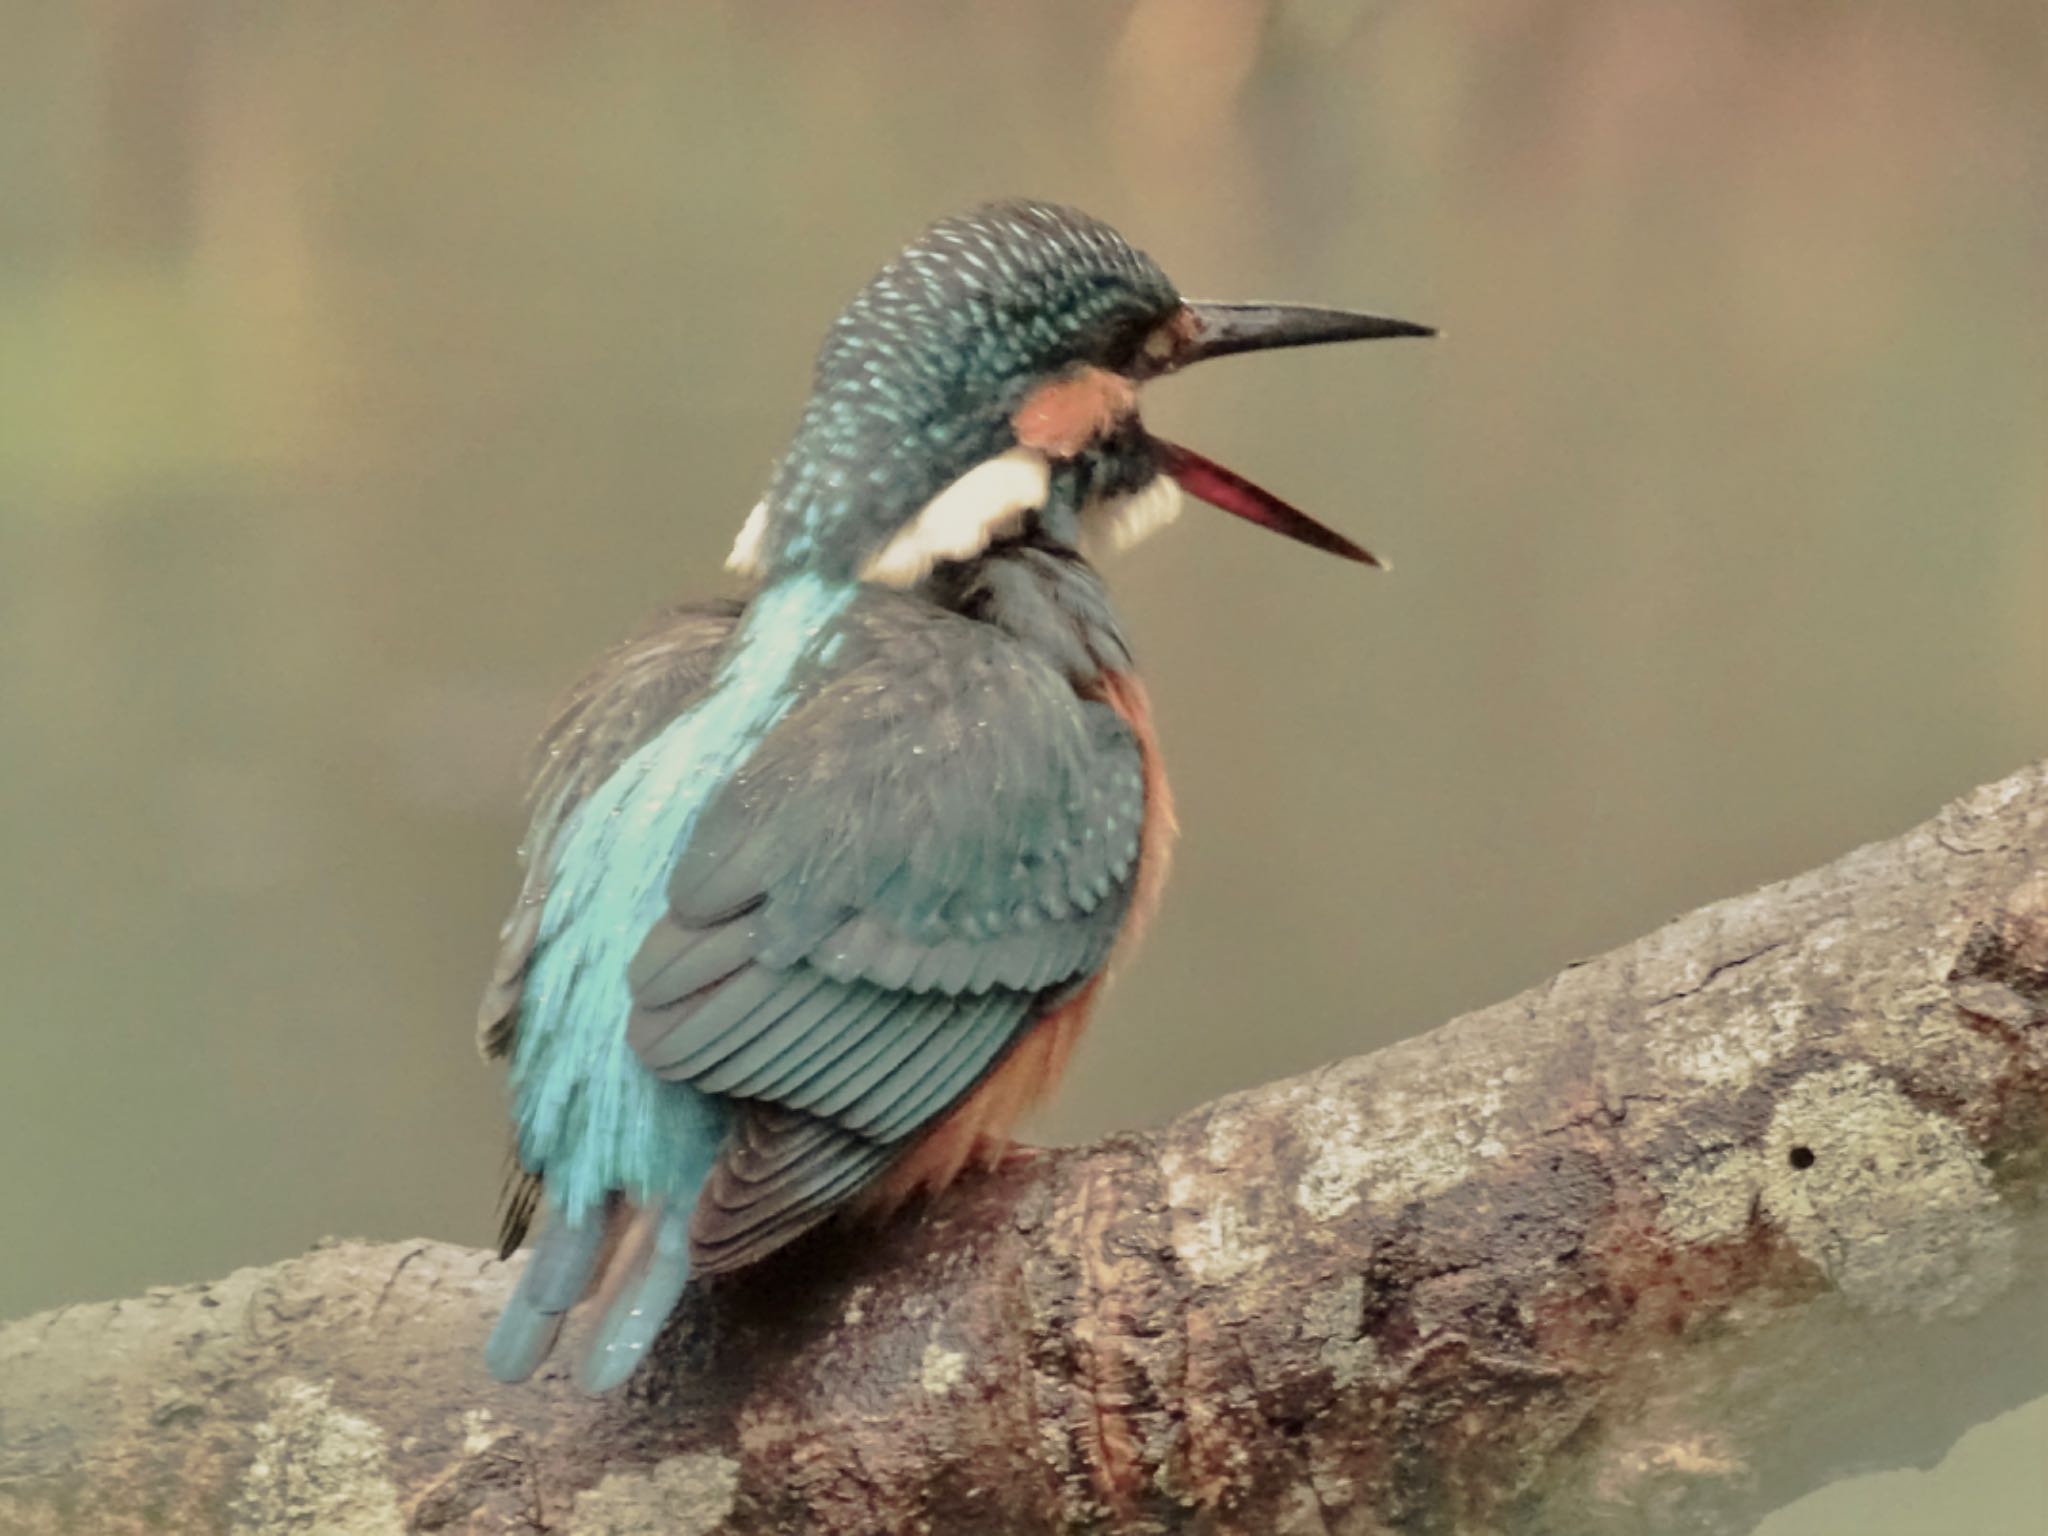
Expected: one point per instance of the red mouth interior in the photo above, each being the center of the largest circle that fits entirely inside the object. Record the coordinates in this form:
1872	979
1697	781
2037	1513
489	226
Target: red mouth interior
1225	488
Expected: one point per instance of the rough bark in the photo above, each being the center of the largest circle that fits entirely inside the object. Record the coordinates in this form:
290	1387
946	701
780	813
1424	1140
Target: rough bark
1689	1229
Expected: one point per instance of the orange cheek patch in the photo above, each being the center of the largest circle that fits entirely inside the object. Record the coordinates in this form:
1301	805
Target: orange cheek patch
1062	418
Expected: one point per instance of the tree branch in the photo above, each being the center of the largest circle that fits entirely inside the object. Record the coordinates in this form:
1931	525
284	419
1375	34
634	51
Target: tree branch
1690	1229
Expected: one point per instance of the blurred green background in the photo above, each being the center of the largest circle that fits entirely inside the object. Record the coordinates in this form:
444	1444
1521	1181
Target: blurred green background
364	370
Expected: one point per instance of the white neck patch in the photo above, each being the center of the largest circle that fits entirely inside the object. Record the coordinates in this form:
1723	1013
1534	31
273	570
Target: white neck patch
989	501
746	549
1118	522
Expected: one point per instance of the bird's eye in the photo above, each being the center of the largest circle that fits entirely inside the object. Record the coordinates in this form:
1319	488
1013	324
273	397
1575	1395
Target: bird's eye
1127	347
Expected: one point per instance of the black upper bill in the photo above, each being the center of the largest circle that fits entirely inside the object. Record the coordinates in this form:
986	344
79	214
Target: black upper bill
1218	330
1203	330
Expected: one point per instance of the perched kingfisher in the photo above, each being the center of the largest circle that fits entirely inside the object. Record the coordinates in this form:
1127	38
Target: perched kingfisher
822	882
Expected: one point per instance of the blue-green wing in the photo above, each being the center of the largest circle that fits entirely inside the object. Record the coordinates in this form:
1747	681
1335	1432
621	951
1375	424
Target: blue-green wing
933	847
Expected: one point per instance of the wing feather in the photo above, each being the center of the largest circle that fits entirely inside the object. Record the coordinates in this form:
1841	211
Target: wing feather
933	846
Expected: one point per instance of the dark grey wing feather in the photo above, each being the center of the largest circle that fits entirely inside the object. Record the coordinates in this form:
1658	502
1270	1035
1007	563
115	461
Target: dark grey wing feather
934	845
778	1173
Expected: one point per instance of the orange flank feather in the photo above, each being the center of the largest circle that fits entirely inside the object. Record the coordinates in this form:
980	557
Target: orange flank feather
979	1127
1126	695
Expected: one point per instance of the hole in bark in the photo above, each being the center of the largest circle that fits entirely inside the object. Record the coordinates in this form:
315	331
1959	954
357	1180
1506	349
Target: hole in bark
1802	1157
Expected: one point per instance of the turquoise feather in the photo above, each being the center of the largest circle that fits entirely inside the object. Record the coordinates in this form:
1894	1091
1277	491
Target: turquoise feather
636	1316
589	1115
588	1112
556	1276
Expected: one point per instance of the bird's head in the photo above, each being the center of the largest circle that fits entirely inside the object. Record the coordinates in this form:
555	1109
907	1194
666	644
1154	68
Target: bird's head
985	383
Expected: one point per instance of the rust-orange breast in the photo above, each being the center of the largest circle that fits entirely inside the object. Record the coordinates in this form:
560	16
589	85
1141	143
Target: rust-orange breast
980	1126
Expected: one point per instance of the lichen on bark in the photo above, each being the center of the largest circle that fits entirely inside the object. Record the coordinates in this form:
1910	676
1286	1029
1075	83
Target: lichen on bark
1658	1246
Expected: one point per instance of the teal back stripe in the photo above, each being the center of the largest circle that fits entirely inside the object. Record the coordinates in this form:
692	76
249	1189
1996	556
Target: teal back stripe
588	1112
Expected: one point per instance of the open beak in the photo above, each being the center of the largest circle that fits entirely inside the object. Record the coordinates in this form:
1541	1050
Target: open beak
1203	330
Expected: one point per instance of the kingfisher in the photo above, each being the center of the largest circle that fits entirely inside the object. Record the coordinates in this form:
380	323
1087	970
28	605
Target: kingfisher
822	881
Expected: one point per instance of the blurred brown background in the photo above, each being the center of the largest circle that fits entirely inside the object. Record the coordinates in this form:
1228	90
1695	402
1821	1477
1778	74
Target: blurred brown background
364	370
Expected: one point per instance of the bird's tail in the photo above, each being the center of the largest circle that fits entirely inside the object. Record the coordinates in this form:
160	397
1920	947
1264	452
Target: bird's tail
558	1272
642	1285
638	1263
